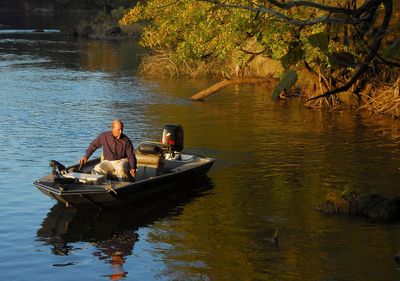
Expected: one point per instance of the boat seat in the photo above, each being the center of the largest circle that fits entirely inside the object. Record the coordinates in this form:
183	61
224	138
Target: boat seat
147	164
148	159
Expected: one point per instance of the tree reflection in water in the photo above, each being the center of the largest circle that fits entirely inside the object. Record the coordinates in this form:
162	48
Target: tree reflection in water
113	232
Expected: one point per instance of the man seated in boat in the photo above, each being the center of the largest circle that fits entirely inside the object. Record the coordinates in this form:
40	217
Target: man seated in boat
118	152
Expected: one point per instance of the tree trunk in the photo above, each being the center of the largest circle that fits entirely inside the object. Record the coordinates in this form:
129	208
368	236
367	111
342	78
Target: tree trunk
226	82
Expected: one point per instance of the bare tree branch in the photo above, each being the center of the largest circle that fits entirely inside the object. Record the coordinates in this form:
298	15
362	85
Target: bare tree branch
384	60
331	10
326	8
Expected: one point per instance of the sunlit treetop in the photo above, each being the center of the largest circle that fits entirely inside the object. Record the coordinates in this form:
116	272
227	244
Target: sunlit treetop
295	32
196	29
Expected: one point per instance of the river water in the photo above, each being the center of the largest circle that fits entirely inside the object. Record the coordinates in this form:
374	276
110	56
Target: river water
276	161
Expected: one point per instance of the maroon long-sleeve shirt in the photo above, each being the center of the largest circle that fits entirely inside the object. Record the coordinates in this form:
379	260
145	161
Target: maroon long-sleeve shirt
113	149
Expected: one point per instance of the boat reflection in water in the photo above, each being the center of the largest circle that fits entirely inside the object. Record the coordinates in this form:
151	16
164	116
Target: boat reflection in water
113	232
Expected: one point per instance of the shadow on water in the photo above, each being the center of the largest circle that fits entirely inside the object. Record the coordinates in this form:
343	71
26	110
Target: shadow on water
113	232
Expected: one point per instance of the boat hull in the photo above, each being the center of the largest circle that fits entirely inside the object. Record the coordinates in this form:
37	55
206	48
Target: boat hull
131	193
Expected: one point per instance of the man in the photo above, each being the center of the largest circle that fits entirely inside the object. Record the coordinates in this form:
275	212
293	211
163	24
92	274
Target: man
118	153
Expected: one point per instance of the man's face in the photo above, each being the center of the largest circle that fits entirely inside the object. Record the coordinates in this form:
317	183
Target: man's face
117	130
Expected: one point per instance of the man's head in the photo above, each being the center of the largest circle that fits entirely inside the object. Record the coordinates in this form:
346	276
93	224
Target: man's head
117	127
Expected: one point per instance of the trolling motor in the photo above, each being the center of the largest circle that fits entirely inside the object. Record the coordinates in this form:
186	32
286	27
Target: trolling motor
172	137
57	168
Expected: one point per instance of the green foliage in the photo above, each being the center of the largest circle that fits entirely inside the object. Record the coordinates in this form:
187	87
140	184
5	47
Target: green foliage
320	41
196	32
113	16
341	59
294	56
287	81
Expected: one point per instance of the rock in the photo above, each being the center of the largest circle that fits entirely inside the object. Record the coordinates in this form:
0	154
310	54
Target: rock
334	204
367	205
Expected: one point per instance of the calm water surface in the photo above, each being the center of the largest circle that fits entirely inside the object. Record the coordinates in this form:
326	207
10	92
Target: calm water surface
276	162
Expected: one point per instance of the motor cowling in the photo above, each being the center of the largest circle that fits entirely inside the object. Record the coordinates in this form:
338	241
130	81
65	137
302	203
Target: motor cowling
173	137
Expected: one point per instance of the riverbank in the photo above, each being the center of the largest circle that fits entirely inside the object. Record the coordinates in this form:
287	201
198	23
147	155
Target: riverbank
372	95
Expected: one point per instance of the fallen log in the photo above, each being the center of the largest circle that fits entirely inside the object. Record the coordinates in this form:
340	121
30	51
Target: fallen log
226	82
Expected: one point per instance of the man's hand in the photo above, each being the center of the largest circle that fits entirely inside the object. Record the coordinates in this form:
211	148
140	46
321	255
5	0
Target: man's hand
83	160
132	172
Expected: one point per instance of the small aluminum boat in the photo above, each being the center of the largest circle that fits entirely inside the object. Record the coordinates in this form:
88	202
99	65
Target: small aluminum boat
161	167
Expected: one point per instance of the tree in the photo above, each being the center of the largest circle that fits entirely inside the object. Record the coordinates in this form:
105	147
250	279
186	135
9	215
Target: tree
341	42
368	25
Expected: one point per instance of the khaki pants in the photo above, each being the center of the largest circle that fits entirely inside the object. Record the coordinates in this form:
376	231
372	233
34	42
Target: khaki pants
118	168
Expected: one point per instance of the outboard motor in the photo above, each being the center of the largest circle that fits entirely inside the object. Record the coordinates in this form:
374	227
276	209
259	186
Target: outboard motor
173	138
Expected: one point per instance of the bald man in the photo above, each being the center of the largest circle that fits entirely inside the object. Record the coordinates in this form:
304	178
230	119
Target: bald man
118	153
